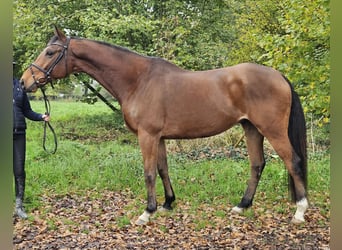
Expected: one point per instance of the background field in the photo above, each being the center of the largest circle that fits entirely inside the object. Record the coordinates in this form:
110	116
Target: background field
94	185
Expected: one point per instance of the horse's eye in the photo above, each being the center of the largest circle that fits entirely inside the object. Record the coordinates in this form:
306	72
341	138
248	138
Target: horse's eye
50	53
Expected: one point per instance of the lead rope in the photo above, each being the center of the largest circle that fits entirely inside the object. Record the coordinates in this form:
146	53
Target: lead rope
46	124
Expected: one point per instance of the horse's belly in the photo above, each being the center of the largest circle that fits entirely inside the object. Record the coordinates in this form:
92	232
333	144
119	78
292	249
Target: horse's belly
198	125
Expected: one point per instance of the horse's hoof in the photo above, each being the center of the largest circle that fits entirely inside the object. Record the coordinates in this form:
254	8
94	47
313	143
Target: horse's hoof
238	210
143	219
163	209
20	212
297	221
140	222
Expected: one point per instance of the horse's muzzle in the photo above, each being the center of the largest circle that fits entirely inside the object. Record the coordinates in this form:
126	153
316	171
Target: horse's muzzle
32	88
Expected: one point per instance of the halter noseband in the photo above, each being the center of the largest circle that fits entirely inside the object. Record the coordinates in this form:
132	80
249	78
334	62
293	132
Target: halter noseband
47	78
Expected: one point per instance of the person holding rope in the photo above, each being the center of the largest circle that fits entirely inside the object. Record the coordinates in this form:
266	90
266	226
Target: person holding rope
21	110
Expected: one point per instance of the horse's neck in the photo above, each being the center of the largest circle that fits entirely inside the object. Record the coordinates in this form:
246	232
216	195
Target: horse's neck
117	70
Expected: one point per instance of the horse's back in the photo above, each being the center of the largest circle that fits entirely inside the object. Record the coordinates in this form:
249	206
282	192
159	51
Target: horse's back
190	104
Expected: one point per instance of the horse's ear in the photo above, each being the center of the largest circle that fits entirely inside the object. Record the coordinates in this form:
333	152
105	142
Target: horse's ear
59	33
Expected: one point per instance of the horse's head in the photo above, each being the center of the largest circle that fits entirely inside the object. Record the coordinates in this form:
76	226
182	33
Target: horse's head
50	64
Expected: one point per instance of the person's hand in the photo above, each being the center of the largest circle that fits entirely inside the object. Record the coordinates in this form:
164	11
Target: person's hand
46	118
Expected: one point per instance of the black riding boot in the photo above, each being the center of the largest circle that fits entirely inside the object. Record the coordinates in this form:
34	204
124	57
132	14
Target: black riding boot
19	197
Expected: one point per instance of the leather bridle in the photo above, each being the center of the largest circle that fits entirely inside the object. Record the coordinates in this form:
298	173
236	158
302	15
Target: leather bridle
47	72
39	83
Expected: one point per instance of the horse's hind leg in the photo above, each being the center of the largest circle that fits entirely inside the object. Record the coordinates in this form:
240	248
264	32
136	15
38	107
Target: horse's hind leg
164	175
257	161
292	162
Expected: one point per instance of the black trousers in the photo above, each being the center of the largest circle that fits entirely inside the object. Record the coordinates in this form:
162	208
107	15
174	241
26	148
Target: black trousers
19	155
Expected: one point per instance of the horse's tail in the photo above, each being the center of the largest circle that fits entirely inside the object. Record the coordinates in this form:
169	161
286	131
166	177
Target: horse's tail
297	136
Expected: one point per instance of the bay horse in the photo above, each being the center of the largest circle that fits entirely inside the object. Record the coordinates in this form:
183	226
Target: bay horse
161	101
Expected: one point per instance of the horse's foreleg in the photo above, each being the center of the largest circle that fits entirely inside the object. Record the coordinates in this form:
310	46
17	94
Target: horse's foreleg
256	156
164	175
149	150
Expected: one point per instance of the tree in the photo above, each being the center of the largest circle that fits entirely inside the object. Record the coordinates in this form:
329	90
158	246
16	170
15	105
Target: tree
293	37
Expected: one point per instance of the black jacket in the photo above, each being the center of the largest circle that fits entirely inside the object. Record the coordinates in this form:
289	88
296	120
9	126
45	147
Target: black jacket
22	109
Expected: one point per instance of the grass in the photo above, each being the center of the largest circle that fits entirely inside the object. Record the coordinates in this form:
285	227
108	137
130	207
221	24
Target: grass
96	152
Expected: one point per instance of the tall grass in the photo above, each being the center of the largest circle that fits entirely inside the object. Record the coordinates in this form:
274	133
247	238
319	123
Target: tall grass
96	152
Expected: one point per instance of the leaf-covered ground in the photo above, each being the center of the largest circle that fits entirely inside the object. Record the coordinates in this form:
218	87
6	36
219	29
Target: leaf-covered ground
104	220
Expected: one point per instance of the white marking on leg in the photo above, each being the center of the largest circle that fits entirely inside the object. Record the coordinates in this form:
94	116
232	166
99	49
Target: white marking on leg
302	205
143	219
237	209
